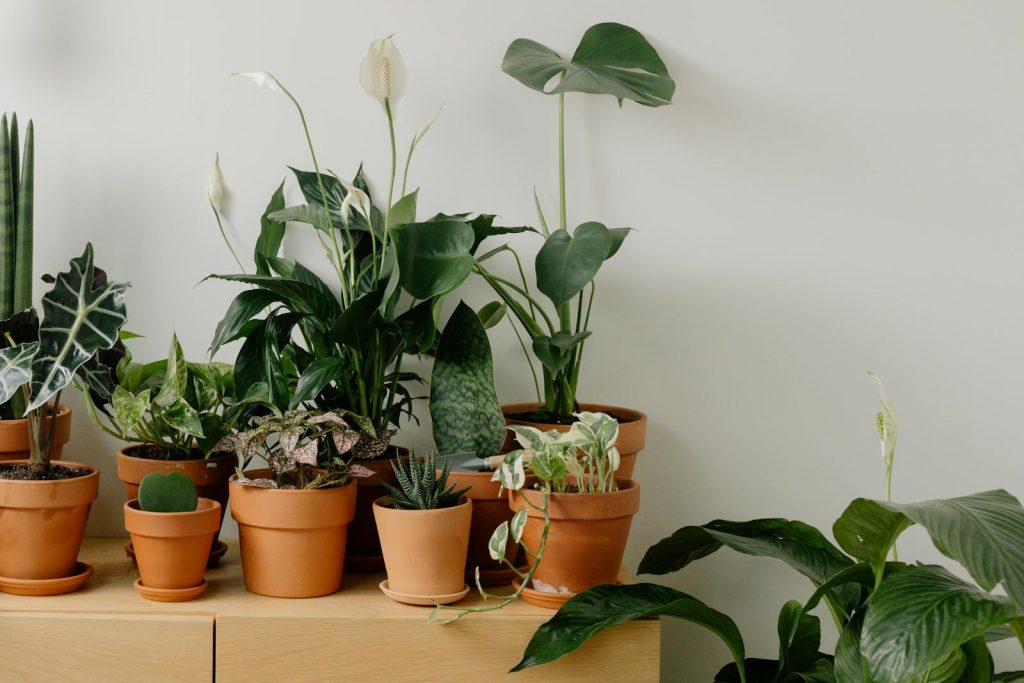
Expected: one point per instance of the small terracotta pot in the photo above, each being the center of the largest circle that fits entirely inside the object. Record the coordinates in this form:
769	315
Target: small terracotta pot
292	541
587	538
171	548
42	524
632	430
210	475
14	436
424	550
364	554
490	509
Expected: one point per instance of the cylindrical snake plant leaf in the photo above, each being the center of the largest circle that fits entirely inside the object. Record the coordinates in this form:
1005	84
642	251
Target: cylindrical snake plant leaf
24	239
7	223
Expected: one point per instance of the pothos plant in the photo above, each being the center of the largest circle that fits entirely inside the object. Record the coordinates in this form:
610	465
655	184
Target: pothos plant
303	449
581	460
897	622
341	346
179	408
611	59
82	315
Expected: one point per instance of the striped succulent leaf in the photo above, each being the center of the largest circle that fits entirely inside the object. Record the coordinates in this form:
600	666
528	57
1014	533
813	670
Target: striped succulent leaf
15	368
80	316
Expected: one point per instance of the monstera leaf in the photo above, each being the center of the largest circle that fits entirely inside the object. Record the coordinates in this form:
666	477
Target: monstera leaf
611	59
79	318
463	404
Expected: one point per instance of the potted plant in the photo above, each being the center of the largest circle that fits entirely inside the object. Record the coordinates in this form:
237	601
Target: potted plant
611	59
172	529
293	516
572	514
424	532
44	506
16	194
340	345
897	622
171	412
468	430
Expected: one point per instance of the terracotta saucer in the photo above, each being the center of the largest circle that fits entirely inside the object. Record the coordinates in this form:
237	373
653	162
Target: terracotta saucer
364	564
220	548
543	599
170	594
429	600
68	584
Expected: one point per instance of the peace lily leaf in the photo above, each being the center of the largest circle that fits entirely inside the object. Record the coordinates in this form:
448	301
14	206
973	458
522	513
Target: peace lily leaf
867	530
434	257
517	525
497	544
491	314
799	545
129	408
1009	677
978	667
172	492
316	377
242	309
463	404
78	320
920	614
849	665
311	214
567	263
268	244
799	637
605	606
403	212
175	378
15	368
612	59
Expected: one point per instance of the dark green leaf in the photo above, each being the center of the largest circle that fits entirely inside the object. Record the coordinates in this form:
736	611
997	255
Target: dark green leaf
850	667
491	314
268	244
978	662
867	530
242	309
433	258
605	606
315	377
799	637
403	212
566	264
552	357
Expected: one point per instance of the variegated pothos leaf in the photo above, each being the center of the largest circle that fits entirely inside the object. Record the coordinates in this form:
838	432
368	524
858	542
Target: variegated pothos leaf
499	540
517	525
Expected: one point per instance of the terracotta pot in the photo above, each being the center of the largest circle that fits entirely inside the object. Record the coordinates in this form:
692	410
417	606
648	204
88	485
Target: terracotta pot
171	548
42	524
364	554
587	538
14	436
210	476
292	541
424	550
632	430
490	509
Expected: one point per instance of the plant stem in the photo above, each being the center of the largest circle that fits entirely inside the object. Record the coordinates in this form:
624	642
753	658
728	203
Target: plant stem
227	242
561	161
391	184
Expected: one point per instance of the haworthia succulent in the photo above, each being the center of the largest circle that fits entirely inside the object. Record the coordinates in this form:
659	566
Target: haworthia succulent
463	403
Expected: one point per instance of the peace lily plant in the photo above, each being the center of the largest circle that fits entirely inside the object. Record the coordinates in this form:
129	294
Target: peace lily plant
897	622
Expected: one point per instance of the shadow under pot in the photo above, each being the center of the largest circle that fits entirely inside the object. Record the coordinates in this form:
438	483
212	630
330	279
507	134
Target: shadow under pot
364	553
210	476
14	444
632	429
424	552
490	509
172	548
42	523
586	540
292	541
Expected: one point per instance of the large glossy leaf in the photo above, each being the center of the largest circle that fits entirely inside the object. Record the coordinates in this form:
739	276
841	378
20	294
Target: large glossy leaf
315	377
799	638
612	59
259	362
15	368
919	615
605	606
296	295
403	212
849	665
434	257
867	530
463	404
978	666
268	244
799	545
241	310
567	263
78	320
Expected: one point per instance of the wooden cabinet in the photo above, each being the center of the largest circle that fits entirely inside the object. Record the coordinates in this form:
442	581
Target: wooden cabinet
106	632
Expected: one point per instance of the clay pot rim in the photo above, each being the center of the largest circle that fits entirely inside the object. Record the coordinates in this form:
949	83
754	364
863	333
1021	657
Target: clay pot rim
93	471
63	409
630	416
203	507
435	512
562	505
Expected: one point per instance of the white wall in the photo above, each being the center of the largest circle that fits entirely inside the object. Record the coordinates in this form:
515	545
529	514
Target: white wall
835	189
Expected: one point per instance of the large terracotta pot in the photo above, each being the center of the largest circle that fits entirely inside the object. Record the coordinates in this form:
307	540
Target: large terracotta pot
292	541
14	436
42	524
424	550
364	554
210	476
632	430
587	538
171	548
490	509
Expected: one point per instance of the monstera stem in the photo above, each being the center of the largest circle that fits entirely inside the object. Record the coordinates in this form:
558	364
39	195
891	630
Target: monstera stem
561	161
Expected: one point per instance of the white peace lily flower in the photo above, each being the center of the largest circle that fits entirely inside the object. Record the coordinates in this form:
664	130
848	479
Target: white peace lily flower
886	420
261	79
382	73
216	187
354	199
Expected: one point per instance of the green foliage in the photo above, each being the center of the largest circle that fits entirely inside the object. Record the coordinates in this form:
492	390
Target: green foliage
420	486
171	492
464	407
